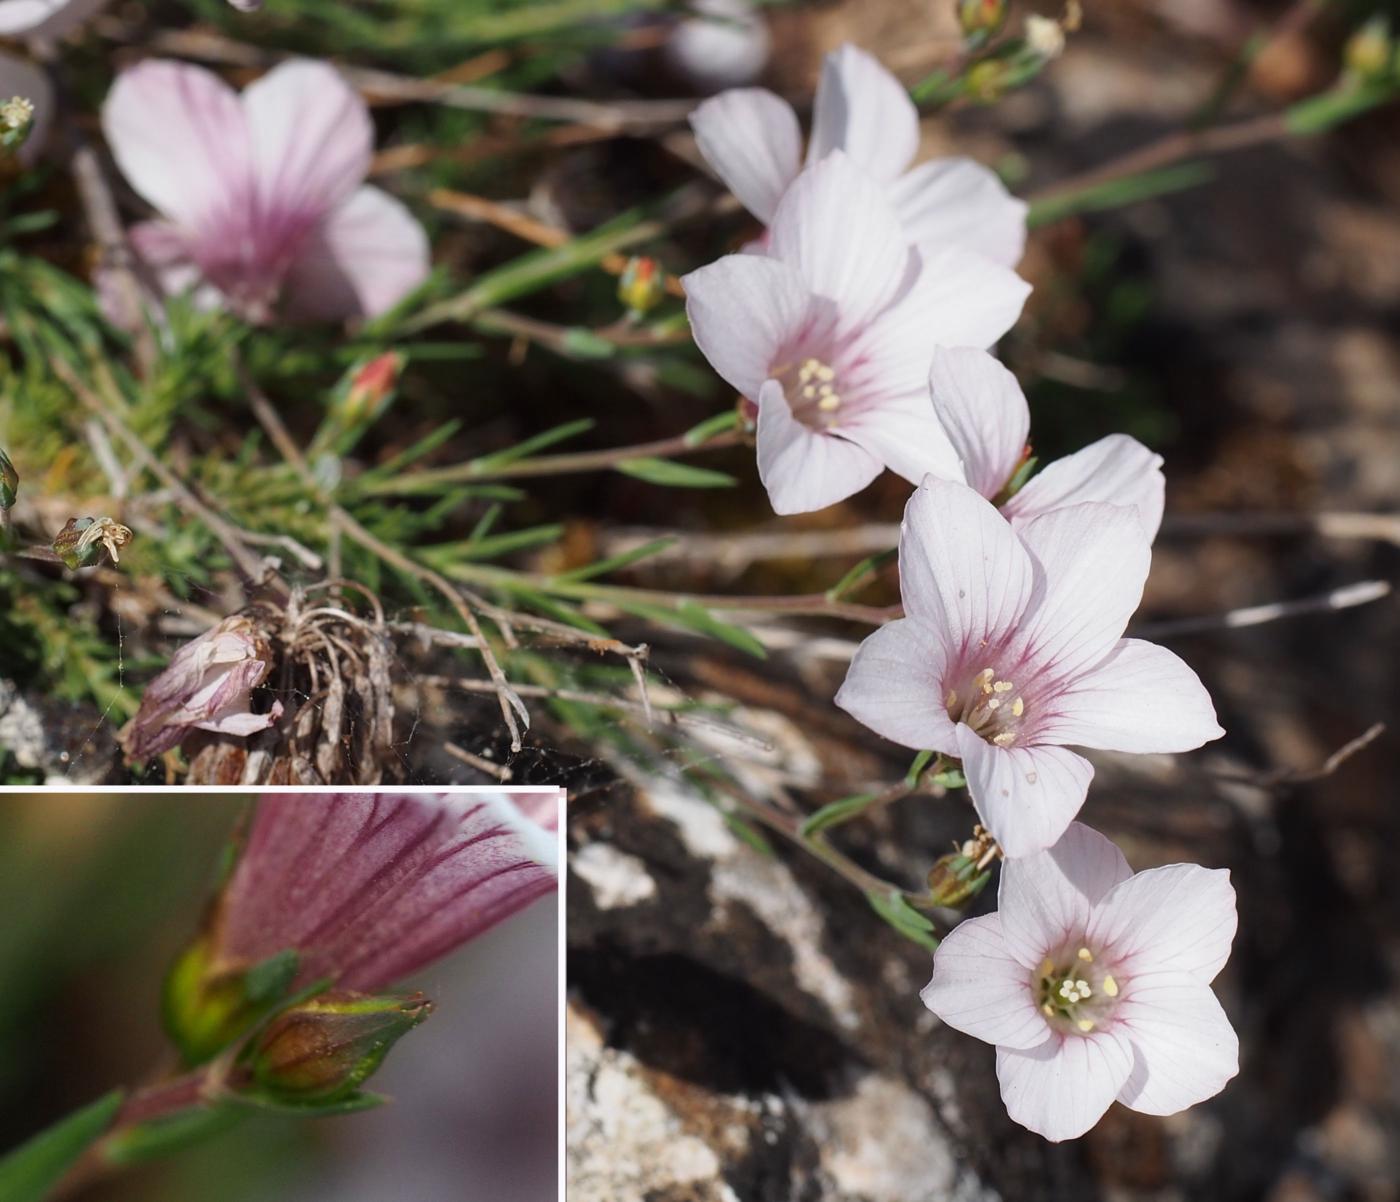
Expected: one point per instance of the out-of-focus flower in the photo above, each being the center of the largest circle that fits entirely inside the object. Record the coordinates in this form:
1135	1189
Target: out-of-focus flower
1094	985
44	18
326	1048
26	107
981	20
1012	649
752	140
724	44
9	482
247	6
360	889
1368	52
1045	36
207	686
261	196
642	285
830	331
984	413
82	540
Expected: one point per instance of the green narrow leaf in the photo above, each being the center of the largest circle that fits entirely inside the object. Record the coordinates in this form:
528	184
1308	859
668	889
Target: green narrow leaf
538	442
674	475
617	562
911	778
29	1172
896	911
159	1137
697	617
857	574
706	430
835	813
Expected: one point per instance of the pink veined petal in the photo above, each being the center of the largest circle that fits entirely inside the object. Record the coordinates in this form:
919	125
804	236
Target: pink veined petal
1062	1088
744	310
21	78
164	252
311	140
958	299
1179	918
179	136
44	18
980	990
1185	1049
1026	796
904	434
365	257
958	202
894	686
241	721
961	570
984	412
1117	470
1049	897
1093	562
865	111
835	228
1139	698
752	140
802	469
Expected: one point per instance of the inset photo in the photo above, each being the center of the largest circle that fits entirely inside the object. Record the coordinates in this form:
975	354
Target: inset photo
289	995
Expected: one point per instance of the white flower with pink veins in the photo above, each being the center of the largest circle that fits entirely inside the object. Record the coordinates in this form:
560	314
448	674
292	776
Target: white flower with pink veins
1011	651
1094	985
753	141
830	332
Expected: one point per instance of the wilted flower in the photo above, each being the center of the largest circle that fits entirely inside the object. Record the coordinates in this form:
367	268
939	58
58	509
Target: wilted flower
207	686
360	889
1012	648
829	332
261	198
752	139
984	413
82	540
44	18
1094	985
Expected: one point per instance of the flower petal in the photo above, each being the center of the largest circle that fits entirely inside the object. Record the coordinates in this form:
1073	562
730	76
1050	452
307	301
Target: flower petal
365	257
1185	1048
1179	918
906	437
1062	1088
894	686
835	228
743	311
864	110
179	136
980	990
1049	897
961	569
1117	470
1026	796
311	139
752	140
1094	560
1140	698
984	412
958	202
801	468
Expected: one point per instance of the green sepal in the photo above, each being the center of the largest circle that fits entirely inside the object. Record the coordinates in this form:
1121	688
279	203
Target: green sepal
206	1012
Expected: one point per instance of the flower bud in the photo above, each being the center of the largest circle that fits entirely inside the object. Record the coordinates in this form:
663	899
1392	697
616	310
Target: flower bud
369	388
988	80
16	122
326	1048
1367	54
1045	36
958	877
9	482
207	1006
81	541
642	285
981	20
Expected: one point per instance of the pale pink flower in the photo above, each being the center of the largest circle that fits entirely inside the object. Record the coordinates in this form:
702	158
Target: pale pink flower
1094	985
261	198
1011	649
753	141
206	686
44	18
369	888
984	413
830	334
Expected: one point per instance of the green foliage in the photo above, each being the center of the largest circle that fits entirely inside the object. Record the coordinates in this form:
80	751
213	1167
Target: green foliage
32	1170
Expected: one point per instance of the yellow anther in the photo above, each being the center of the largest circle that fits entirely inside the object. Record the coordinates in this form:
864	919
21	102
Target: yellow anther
1003	686
1047	1009
1086	955
952	699
1047	966
1005	739
1110	986
993	703
1085	1024
829	402
983	679
1018	707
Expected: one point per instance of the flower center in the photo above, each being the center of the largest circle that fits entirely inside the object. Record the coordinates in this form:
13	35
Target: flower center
811	390
1074	991
990	705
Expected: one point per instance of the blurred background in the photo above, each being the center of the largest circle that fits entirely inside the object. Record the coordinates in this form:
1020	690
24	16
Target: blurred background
99	894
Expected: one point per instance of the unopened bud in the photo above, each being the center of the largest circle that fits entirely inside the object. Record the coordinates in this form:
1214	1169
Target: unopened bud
82	540
326	1048
642	285
16	120
1368	52
981	20
208	1007
1045	36
369	388
9	482
988	80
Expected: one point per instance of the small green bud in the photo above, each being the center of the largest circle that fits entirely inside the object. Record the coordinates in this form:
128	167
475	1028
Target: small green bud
642	285
1369	51
82	540
207	1007
981	20
326	1048
16	120
9	482
988	80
